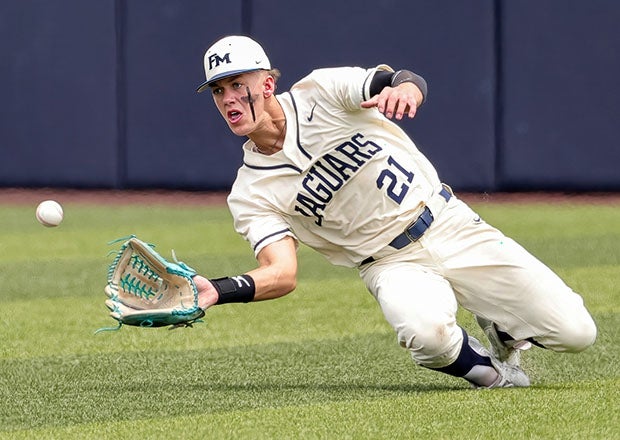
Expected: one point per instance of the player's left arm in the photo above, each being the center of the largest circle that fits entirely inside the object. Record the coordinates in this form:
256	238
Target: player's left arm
396	94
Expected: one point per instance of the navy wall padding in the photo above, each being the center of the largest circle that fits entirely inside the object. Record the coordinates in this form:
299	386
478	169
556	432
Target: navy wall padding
58	97
560	94
174	136
101	93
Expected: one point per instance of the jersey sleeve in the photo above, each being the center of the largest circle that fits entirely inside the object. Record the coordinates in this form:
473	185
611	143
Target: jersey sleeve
347	86
258	225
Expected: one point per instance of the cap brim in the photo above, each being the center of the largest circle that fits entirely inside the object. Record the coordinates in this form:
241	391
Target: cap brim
204	85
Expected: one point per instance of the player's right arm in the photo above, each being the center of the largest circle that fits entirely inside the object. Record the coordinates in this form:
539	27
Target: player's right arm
275	276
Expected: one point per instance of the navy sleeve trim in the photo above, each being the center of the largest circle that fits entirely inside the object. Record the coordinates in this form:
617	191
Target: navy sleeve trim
301	148
273	167
271	235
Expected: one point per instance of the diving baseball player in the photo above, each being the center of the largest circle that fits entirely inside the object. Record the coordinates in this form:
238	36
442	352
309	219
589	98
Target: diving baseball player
325	165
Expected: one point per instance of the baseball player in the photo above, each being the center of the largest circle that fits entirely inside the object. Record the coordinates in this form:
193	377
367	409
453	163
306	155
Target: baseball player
325	165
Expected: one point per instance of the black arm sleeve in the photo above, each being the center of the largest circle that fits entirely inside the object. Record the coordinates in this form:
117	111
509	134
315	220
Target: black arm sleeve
382	79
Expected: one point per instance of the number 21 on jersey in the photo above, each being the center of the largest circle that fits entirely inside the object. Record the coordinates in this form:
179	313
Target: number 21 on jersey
391	176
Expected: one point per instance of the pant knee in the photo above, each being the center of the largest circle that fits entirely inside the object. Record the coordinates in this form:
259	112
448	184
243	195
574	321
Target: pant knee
432	346
580	336
574	336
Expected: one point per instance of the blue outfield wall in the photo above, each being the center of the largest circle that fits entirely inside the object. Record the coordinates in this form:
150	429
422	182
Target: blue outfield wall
101	93
58	95
174	136
560	94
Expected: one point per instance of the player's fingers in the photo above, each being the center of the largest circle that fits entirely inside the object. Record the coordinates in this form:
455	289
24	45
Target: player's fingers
412	110
381	100
404	105
394	105
372	102
401	109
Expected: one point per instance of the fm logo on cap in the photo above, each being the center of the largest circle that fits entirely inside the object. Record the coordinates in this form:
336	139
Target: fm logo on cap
217	60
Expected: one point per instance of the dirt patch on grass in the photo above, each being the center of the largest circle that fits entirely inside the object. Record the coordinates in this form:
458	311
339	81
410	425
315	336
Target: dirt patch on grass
126	197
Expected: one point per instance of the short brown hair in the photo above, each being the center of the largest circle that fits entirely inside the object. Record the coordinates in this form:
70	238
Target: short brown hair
275	73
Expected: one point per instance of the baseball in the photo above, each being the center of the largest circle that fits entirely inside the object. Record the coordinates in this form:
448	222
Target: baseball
49	213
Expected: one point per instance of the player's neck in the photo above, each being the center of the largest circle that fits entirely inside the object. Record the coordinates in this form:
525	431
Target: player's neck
269	137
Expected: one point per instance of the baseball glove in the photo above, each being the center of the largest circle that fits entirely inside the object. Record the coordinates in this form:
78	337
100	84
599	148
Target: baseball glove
146	290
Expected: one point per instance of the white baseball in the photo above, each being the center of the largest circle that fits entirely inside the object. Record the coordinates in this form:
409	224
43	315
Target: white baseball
49	213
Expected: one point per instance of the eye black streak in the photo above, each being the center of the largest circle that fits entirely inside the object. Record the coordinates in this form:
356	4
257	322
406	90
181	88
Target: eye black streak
251	102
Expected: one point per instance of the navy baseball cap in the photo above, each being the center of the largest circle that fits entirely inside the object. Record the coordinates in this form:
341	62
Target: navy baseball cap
231	56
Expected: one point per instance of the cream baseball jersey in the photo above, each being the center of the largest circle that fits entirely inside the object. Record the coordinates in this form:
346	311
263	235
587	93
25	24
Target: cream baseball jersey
347	179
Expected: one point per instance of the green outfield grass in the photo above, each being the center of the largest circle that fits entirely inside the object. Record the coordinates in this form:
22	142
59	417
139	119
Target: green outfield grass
320	363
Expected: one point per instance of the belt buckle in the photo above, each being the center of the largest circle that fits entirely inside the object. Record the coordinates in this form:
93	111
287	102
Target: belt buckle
415	224
410	237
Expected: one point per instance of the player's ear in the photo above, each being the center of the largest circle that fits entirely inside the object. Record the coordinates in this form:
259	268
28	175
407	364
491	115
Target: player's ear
269	86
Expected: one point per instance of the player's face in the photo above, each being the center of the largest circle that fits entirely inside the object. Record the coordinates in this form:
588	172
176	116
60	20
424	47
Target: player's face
238	99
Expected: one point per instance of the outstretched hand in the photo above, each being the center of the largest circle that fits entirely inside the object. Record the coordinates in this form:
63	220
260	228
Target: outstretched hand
396	101
207	295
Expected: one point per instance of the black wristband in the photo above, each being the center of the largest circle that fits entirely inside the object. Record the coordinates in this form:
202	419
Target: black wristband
402	76
234	289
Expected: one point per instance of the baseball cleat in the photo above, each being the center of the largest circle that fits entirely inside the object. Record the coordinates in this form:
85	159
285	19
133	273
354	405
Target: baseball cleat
510	354
509	376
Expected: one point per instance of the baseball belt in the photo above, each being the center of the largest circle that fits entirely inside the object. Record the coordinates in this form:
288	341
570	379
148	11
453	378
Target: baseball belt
418	227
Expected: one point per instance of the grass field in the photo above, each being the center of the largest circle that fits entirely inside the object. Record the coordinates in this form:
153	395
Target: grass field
320	363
